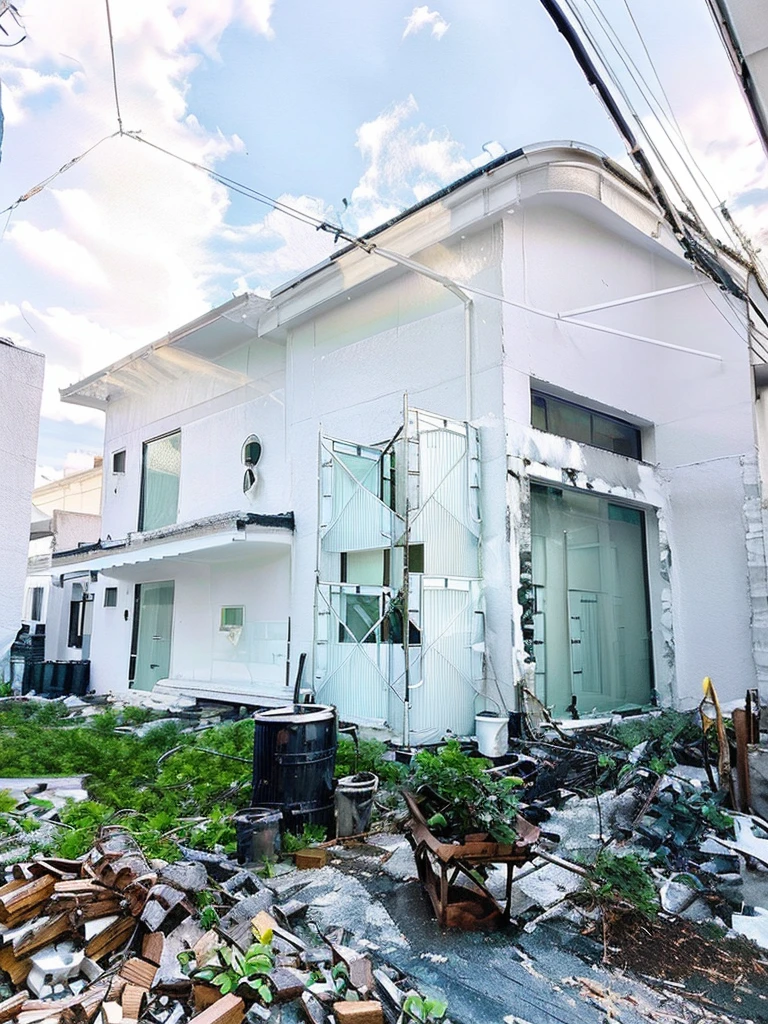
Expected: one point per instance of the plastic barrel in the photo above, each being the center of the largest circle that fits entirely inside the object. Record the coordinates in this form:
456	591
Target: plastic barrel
258	834
354	803
294	755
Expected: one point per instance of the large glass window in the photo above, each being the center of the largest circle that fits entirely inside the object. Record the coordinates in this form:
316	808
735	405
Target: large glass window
161	469
567	419
591	626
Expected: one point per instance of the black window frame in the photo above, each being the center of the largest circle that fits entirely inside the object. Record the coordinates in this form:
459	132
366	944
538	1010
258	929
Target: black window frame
76	621
543	398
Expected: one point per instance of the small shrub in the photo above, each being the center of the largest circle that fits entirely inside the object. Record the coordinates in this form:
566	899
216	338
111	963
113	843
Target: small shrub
623	878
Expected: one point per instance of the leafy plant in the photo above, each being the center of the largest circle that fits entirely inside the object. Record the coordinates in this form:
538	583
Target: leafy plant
424	1010
234	967
367	756
467	798
623	878
310	834
209	916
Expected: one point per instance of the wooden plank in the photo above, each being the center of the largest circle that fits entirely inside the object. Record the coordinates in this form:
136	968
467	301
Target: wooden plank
39	937
26	896
13	885
152	947
138	972
110	939
133	1000
229	1009
17	970
10	1007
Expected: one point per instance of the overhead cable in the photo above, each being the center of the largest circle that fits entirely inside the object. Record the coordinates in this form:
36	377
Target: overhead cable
51	177
114	68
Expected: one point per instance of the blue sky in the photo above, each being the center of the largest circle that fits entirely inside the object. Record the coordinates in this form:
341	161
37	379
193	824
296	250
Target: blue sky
376	101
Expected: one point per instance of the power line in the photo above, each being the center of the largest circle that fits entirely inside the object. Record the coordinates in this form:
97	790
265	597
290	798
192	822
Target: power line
51	177
114	68
650	98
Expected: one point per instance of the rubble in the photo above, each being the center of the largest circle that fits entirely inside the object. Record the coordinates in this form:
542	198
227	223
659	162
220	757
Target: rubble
113	936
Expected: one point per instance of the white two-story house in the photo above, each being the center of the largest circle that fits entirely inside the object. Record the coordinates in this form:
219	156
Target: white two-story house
510	440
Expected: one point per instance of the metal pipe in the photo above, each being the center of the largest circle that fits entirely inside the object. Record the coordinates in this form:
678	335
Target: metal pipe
457	290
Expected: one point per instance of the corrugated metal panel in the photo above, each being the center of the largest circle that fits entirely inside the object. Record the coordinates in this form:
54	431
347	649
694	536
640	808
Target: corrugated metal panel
444	699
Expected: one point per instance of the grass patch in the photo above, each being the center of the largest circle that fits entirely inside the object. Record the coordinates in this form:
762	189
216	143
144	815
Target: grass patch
190	796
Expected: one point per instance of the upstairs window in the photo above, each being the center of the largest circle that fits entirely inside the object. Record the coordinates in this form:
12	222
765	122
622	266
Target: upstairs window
36	604
160	472
556	416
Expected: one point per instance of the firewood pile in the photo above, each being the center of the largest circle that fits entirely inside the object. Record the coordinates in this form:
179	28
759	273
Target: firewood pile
105	939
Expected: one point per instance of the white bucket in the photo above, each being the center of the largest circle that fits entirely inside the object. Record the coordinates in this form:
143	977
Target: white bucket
491	734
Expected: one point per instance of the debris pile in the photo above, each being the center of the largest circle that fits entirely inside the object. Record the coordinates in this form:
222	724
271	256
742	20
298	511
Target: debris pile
113	938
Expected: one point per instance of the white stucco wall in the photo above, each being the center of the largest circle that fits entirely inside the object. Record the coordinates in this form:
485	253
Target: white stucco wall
215	415
700	411
21	390
348	371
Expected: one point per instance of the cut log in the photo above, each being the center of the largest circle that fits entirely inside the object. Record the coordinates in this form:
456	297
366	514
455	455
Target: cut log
229	1009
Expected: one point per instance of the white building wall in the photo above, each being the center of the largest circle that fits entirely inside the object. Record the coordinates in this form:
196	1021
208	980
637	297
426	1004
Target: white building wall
21	390
700	409
348	371
215	414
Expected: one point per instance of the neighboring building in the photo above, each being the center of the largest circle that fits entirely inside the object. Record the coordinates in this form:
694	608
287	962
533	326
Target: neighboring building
743	25
21	392
524	389
66	514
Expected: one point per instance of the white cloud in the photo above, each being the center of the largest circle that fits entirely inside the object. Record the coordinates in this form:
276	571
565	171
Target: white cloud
404	164
279	246
53	251
422	17
125	239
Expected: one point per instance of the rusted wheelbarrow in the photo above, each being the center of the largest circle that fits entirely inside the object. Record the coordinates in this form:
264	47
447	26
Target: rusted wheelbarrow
439	865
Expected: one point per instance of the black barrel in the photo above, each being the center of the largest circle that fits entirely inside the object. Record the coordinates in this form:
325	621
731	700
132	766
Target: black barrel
294	755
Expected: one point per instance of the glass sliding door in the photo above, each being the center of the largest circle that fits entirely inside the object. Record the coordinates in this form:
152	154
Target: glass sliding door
591	627
151	646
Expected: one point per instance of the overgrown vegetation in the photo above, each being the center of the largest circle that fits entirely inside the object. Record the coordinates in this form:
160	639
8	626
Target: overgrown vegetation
622	878
460	798
189	796
665	733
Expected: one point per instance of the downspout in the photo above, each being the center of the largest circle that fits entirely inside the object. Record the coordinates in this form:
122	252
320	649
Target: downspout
455	289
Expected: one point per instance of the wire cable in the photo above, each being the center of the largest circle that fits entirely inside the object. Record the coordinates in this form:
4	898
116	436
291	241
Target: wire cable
51	177
114	68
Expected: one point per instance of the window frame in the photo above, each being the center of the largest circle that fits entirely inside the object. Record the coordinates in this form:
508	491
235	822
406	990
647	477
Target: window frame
36	598
110	592
142	487
115	456
225	628
545	397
